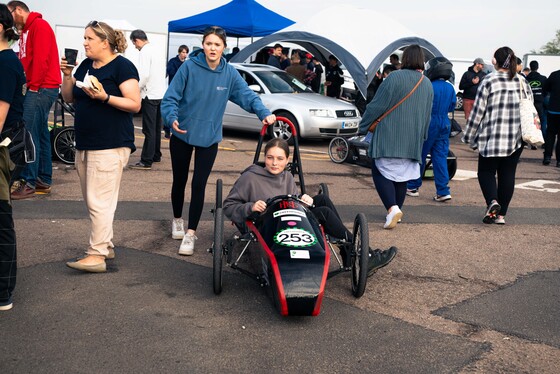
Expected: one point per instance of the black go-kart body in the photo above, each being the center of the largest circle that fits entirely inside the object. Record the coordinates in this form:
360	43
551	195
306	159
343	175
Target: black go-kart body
354	150
295	255
292	249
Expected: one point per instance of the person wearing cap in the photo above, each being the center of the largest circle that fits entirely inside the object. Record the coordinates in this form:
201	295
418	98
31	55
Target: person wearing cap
334	77
469	84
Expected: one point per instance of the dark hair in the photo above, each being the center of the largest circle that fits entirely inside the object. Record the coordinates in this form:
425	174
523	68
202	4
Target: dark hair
506	59
394	56
277	45
388	69
413	58
115	38
333	57
216	30
138	34
7	22
277	142
183	47
21	4
534	65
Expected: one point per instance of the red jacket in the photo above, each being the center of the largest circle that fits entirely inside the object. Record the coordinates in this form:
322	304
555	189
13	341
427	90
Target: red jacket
38	53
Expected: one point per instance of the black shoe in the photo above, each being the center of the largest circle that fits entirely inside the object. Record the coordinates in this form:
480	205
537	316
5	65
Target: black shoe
546	161
558	164
157	159
492	212
166	134
140	166
379	259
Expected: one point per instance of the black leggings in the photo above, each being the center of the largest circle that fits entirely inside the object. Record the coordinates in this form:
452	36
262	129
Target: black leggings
328	216
204	158
502	190
390	192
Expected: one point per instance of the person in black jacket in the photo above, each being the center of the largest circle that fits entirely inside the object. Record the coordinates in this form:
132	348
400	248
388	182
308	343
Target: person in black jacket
469	84
537	82
334	77
552	88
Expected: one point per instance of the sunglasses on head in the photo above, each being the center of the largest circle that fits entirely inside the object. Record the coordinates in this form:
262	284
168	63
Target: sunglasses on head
94	24
215	30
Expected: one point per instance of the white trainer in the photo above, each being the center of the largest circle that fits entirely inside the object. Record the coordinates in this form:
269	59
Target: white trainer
177	228
187	245
393	217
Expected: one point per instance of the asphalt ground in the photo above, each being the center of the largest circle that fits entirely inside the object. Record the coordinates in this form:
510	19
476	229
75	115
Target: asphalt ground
444	304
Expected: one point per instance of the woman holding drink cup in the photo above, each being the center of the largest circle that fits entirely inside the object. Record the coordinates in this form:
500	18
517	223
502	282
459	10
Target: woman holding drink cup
105	93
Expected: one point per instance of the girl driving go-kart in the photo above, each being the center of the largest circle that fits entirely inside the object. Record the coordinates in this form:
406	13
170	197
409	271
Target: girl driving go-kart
257	184
293	235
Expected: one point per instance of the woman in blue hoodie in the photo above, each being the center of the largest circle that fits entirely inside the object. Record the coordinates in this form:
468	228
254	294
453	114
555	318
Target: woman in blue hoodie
193	107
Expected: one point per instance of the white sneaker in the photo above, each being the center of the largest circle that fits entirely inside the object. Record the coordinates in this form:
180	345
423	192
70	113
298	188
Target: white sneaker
442	198
187	245
393	217
177	228
6	307
412	192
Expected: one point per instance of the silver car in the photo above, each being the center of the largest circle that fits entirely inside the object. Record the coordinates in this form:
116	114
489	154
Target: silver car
314	115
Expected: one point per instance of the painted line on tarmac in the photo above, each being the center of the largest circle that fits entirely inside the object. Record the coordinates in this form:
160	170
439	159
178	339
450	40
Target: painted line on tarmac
539	185
463	175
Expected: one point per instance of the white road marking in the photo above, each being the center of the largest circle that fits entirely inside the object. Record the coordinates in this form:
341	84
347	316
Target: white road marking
539	185
463	175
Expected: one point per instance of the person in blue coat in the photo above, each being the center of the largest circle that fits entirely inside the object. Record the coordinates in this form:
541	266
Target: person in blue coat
437	144
193	107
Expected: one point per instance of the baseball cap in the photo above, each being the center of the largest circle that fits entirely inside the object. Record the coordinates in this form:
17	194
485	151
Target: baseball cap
478	61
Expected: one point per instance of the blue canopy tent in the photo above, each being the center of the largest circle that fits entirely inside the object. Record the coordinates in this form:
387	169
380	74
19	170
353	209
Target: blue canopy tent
239	18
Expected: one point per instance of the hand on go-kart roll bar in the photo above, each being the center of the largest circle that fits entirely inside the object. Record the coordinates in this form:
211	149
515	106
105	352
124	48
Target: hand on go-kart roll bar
269	120
258	206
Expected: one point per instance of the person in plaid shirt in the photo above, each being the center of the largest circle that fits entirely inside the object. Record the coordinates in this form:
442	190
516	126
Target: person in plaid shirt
494	128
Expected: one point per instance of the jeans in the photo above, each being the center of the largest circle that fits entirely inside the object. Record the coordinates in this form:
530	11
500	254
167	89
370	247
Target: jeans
36	109
437	145
151	128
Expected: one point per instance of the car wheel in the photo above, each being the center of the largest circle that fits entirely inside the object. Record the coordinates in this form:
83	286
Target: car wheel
281	129
459	103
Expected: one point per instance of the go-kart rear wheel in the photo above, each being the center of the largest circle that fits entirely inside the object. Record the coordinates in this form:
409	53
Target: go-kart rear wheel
360	255
338	150
323	189
218	250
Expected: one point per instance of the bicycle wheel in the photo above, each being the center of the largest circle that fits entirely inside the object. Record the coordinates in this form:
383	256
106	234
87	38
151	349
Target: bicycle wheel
360	255
64	145
324	189
338	150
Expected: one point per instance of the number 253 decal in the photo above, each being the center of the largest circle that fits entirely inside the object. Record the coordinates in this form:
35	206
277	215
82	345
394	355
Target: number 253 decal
295	238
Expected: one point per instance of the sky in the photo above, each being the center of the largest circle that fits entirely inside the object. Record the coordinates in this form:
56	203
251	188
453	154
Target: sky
458	28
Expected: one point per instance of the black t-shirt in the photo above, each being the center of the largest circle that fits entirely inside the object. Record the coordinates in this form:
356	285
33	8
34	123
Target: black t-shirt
102	126
12	86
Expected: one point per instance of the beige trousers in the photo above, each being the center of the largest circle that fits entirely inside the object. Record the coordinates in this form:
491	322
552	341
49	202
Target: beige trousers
100	175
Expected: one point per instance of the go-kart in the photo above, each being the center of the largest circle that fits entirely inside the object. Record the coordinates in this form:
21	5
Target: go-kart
292	251
354	150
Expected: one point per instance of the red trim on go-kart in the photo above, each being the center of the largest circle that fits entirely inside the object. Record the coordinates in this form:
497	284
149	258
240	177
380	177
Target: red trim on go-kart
319	301
275	269
283	119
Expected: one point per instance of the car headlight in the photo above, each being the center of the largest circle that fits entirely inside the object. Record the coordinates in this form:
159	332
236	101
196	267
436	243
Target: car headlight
322	113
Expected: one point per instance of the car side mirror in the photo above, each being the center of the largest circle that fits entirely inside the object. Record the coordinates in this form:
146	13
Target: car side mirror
256	88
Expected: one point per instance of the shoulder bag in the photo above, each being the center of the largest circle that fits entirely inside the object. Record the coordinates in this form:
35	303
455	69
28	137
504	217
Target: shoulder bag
376	122
530	123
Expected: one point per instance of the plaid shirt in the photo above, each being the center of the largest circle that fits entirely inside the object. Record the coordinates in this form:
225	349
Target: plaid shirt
494	125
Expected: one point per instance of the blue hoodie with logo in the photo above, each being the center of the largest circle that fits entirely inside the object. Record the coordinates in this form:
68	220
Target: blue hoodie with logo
197	98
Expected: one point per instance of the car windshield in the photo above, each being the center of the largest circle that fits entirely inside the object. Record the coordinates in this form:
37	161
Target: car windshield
281	82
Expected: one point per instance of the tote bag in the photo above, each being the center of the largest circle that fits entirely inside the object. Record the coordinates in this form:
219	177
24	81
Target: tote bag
530	122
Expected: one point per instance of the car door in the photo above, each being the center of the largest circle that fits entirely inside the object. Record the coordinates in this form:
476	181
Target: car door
237	118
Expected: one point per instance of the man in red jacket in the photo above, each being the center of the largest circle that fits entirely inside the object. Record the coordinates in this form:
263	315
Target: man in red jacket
38	54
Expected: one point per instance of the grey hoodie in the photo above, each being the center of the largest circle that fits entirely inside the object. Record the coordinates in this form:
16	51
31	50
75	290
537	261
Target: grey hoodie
256	183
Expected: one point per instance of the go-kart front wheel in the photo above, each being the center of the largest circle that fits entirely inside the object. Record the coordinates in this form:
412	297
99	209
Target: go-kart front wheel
218	250
360	255
338	150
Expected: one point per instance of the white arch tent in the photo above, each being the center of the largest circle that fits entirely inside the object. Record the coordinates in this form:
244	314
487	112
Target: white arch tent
362	39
